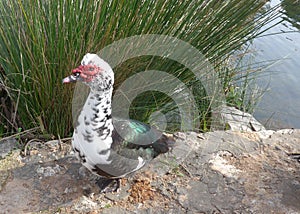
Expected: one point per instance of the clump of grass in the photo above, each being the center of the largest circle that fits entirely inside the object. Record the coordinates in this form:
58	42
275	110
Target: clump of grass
40	41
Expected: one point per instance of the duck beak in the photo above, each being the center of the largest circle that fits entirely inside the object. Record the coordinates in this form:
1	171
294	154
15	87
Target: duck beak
69	79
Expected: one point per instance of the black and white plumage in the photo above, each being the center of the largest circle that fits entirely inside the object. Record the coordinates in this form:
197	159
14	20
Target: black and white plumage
110	147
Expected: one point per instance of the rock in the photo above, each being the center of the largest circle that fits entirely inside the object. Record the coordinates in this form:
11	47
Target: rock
123	194
6	146
117	197
236	120
220	164
117	210
85	205
216	172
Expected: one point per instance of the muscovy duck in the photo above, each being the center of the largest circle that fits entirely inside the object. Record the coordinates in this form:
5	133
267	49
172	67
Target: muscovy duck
110	147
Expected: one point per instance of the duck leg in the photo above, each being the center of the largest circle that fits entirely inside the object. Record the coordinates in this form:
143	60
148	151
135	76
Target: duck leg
107	185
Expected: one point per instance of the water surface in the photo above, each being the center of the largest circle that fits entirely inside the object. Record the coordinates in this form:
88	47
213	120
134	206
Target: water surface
280	105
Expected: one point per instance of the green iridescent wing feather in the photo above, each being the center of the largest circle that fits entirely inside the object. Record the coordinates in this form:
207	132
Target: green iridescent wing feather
136	132
133	138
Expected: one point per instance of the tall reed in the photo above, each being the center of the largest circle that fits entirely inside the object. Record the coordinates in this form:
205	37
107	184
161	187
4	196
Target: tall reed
41	41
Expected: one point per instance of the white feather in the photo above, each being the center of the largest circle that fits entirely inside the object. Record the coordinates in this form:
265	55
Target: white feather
96	60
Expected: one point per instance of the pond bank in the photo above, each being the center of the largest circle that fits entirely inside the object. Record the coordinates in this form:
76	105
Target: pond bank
221	171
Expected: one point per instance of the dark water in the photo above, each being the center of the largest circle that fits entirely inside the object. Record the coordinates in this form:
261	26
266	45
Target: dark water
280	105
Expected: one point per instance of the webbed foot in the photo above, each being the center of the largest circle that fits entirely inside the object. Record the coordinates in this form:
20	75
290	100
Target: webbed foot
107	185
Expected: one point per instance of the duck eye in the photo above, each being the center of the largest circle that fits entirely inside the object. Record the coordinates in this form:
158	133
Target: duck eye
76	74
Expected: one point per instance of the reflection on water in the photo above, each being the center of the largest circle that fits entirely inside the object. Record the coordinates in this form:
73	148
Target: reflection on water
292	12
280	106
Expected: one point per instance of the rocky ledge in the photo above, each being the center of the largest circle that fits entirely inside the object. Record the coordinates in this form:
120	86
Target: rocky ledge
234	171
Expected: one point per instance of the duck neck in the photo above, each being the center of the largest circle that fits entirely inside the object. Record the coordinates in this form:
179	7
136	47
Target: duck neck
98	113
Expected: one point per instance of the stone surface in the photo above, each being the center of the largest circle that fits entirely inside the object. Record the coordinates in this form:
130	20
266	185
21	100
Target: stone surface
217	172
239	120
6	146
